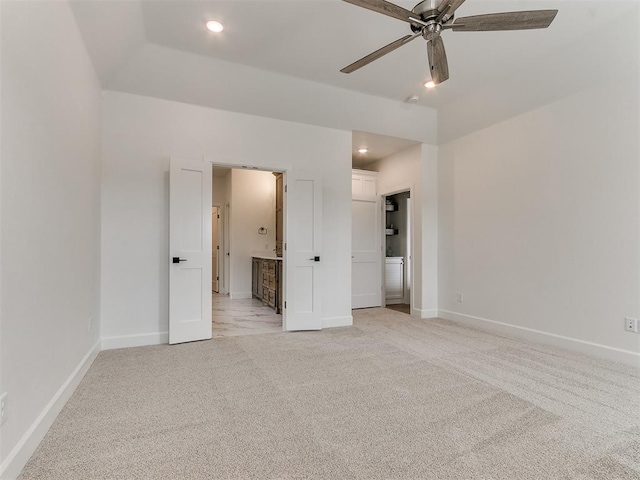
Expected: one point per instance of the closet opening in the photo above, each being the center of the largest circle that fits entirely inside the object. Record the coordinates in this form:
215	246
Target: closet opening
397	248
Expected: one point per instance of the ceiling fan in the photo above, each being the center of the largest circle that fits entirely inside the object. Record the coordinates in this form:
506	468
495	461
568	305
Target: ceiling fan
430	17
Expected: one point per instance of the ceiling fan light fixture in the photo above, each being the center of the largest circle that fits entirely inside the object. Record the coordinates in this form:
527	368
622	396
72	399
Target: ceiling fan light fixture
214	26
430	84
363	150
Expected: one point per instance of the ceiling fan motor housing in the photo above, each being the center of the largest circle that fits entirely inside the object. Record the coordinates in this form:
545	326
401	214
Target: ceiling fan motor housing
428	10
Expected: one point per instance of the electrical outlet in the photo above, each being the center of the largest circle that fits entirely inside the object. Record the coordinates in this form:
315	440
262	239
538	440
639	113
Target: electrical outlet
3	407
459	297
631	325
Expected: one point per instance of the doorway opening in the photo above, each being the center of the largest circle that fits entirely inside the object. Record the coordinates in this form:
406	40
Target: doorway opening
397	248
247	256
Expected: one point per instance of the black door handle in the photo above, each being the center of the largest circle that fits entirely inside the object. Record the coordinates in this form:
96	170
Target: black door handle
178	259
315	259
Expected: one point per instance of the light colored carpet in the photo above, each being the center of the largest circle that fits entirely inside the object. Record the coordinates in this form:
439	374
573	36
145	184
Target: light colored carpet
392	397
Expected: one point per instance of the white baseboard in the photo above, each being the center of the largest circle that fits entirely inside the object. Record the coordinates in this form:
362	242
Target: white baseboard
431	313
331	322
394	301
19	456
570	343
140	340
240	295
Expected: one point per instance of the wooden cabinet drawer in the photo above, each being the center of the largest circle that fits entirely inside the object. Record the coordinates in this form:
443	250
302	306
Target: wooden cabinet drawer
272	298
267	275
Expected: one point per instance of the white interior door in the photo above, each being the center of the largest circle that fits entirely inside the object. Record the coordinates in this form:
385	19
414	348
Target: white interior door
190	197
303	252
366	251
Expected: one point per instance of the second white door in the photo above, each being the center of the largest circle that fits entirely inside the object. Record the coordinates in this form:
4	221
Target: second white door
303	252
366	250
190	251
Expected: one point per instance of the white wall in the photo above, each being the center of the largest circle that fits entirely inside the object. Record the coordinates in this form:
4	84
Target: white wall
253	205
140	134
50	219
416	169
540	220
219	190
171	74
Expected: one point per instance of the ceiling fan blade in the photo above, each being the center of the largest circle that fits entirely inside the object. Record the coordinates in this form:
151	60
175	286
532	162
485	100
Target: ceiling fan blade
447	8
386	8
379	53
437	60
505	21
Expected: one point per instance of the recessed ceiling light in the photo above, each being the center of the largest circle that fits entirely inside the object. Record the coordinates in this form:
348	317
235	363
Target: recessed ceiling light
215	26
430	84
362	150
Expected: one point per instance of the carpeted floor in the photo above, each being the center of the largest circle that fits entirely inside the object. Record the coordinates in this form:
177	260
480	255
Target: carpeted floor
393	397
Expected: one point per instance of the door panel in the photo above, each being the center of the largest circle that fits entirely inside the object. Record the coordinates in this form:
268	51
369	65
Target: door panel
366	253
190	244
303	209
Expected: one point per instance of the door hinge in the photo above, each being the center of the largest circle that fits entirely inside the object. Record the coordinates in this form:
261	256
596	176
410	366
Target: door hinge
217	278
218	216
285	304
217	247
285	189
285	246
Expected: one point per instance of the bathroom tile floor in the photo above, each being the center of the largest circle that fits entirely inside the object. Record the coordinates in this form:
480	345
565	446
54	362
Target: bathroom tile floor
243	317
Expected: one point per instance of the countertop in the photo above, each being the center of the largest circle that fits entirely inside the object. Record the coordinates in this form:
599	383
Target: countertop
265	256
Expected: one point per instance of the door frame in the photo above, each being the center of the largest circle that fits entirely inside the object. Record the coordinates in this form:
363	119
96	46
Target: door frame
221	248
225	226
395	191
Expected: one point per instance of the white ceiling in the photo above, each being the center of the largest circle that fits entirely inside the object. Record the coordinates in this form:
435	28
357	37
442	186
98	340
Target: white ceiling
378	146
313	39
